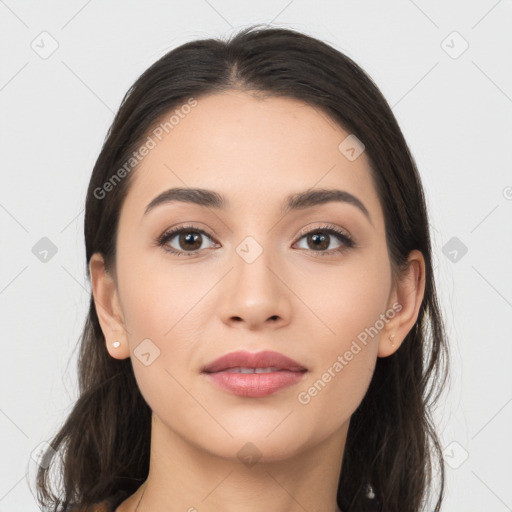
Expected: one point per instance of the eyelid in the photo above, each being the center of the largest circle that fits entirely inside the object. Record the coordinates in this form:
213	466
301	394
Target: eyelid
325	226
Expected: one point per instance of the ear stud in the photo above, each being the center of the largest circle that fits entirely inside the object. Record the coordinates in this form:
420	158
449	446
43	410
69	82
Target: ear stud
391	338
116	344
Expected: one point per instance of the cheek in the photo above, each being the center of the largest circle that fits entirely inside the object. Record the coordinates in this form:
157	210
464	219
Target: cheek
162	310
157	308
349	302
156	298
336	391
343	301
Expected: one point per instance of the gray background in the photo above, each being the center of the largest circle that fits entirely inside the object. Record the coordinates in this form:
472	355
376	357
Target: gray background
453	106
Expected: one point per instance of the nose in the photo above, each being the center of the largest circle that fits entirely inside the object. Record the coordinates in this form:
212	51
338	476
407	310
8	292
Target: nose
255	296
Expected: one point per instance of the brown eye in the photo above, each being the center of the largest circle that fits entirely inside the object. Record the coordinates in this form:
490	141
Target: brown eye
317	241
320	240
184	240
189	240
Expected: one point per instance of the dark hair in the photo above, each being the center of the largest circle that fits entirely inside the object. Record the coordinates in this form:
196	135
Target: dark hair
392	447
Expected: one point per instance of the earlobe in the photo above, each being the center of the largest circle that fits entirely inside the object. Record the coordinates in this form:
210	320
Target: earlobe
406	298
108	308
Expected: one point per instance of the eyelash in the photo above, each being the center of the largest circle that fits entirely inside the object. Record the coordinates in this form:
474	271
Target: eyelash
346	240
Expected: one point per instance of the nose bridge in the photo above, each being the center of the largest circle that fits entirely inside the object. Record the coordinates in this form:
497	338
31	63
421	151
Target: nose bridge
255	293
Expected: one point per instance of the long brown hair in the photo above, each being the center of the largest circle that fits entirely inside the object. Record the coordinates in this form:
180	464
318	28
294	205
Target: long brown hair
392	448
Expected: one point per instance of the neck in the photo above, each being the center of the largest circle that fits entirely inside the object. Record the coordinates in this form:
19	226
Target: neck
183	477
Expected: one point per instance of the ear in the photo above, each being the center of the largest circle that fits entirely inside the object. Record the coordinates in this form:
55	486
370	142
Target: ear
108	307
405	300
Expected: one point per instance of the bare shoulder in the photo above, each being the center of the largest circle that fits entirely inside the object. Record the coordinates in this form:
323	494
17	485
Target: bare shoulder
117	503
104	506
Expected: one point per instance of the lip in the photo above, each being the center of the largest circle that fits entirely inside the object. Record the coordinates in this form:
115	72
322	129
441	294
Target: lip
225	373
244	359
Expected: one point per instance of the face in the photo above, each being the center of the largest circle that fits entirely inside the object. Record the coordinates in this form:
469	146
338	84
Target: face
312	282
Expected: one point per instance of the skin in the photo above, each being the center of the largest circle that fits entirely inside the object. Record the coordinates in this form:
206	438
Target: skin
196	308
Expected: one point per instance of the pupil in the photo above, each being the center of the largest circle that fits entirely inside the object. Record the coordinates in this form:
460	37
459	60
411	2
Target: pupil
319	241
190	238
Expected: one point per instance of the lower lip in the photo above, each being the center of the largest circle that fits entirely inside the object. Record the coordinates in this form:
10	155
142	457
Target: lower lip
255	385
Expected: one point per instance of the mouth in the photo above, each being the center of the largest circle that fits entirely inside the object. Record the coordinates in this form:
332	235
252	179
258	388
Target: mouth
253	370
254	375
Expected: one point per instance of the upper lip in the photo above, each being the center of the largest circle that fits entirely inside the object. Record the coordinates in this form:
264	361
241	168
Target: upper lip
244	359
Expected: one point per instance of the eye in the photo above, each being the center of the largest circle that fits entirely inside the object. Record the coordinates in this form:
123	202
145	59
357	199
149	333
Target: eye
189	240
321	238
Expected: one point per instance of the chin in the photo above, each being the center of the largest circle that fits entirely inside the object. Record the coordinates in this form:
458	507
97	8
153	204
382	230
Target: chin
263	441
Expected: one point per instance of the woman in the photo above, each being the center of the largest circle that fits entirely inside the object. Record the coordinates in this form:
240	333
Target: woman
264	331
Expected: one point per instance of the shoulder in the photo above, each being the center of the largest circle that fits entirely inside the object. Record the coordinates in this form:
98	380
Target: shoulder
108	505
103	506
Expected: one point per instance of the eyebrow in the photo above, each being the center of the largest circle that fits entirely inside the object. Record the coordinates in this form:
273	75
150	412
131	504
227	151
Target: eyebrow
297	201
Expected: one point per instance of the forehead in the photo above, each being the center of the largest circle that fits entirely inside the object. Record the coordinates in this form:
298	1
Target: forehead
253	150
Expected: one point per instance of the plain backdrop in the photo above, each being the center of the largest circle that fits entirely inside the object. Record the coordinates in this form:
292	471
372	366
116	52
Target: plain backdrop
444	67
